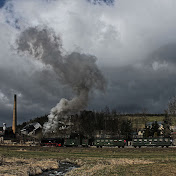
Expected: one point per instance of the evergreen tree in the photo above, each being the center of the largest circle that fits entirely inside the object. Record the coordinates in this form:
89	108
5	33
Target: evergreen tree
126	129
167	122
155	129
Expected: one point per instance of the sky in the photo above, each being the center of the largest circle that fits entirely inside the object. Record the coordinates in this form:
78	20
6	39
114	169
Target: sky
134	43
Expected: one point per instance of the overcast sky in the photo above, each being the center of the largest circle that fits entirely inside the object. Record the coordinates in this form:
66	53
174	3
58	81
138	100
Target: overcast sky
134	42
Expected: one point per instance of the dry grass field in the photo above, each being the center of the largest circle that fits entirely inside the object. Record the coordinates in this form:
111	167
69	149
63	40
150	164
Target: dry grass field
92	161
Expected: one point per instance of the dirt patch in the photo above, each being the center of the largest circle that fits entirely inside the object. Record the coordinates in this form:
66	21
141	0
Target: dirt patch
26	167
22	150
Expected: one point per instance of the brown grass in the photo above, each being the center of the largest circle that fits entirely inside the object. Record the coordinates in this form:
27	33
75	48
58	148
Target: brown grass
108	164
25	167
98	162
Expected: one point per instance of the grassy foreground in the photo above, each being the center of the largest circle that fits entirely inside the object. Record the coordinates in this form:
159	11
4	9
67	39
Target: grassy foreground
93	161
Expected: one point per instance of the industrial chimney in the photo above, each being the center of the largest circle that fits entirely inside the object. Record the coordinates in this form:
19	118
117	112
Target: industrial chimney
14	115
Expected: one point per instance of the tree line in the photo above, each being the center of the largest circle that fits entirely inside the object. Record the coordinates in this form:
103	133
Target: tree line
115	123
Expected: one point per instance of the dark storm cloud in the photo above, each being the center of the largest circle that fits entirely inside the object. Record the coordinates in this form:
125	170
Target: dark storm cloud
130	89
146	85
134	41
2	2
35	92
165	53
99	2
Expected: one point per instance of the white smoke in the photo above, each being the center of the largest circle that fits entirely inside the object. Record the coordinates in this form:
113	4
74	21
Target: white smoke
79	71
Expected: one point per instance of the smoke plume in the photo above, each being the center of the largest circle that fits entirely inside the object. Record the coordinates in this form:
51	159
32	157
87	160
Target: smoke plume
79	71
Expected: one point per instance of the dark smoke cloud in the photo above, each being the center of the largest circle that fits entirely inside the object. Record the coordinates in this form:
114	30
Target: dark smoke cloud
79	71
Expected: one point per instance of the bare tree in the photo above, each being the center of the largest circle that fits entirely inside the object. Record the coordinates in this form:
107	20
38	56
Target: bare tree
171	109
144	111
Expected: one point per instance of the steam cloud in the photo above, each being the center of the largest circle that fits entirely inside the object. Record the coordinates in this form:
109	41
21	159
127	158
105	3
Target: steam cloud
79	71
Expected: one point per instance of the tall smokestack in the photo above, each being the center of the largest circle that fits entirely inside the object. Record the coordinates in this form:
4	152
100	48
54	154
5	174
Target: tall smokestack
14	115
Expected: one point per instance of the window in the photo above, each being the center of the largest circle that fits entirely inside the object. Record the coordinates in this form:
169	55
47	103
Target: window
106	140
161	140
102	140
155	140
135	140
166	140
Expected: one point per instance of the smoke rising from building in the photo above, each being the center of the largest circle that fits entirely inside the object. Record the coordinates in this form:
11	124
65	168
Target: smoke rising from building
79	71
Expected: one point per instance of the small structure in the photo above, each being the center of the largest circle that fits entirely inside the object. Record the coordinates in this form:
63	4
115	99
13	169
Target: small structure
140	133
2	133
31	129
173	128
